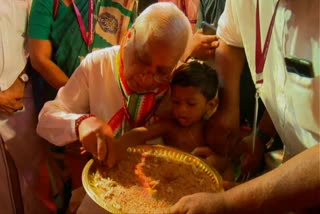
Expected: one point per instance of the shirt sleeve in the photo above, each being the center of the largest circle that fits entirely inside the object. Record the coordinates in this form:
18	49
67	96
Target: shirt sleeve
41	19
57	118
228	27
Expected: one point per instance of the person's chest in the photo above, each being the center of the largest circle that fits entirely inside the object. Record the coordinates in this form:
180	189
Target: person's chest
185	138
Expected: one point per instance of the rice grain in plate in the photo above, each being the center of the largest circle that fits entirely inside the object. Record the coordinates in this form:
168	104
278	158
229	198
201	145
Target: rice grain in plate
150	180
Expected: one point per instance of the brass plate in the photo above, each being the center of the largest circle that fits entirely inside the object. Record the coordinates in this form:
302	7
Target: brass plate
155	150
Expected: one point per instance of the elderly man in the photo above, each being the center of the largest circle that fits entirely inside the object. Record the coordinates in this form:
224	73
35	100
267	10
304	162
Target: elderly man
118	87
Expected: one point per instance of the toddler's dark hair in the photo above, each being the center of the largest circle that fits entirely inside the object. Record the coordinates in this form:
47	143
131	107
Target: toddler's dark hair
198	75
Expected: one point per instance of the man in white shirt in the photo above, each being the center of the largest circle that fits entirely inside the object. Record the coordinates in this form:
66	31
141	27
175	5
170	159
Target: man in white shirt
118	87
21	150
291	100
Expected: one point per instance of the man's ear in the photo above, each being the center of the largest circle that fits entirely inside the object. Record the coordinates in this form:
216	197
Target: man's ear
211	107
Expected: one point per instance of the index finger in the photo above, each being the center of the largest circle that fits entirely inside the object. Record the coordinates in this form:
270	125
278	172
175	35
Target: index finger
202	151
101	147
209	38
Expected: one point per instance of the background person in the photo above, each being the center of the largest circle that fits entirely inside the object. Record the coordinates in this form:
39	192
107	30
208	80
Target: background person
58	40
189	8
295	120
22	152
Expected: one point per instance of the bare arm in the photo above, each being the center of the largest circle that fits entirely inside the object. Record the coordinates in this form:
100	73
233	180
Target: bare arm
140	135
229	64
253	159
40	56
266	125
116	148
224	124
292	186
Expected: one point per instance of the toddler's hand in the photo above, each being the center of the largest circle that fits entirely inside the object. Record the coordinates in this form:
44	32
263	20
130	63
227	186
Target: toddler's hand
202	151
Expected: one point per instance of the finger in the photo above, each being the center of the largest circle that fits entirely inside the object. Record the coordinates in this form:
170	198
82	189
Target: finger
180	207
214	44
101	147
173	210
88	140
14	106
20	109
202	151
200	30
209	39
7	110
107	131
206	43
111	159
229	184
83	150
19	106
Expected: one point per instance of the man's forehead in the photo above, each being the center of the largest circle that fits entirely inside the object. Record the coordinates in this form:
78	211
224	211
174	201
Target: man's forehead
150	49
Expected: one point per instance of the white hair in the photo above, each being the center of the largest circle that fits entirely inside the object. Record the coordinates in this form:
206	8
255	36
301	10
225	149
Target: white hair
164	21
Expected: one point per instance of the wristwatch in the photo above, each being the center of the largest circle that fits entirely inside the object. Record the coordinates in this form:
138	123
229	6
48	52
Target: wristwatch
24	77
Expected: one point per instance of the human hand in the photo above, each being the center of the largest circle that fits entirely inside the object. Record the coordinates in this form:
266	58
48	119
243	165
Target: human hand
203	46
11	100
213	160
97	138
202	151
251	160
199	203
222	130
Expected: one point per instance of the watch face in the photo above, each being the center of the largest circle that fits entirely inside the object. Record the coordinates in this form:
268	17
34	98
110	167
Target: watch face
24	77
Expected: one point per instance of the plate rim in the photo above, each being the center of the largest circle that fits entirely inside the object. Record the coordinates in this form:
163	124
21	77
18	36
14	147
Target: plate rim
98	200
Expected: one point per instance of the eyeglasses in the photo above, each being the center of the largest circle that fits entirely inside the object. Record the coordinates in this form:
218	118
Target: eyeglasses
163	73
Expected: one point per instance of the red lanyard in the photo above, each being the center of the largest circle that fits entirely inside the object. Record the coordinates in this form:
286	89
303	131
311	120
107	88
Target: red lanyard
260	61
261	56
87	37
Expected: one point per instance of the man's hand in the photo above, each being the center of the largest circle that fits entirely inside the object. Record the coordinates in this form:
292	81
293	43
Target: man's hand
97	138
11	100
251	160
202	151
199	203
203	46
94	135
